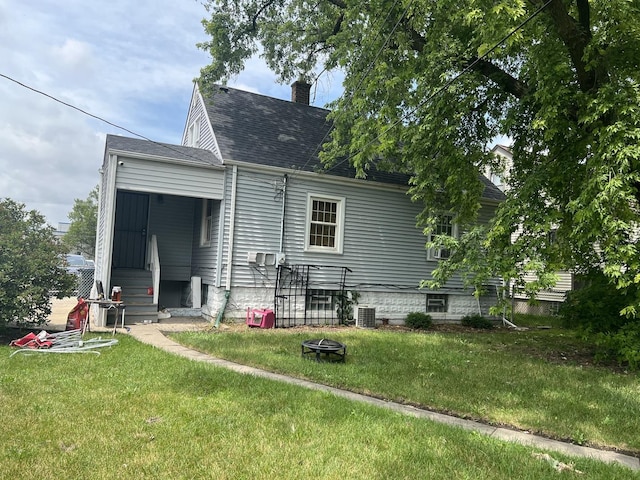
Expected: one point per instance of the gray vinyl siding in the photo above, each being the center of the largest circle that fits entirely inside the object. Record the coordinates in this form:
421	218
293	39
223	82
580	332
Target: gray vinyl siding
382	245
204	257
257	226
171	220
197	111
146	175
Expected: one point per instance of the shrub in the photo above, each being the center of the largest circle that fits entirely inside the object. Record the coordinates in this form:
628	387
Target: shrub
418	321
477	321
31	269
594	310
622	346
596	306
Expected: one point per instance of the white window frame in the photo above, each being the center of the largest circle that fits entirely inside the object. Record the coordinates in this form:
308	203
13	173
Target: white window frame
436	254
437	303
206	224
339	225
193	134
497	180
319	300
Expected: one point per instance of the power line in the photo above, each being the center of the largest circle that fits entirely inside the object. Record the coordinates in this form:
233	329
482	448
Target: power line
368	70
89	114
447	84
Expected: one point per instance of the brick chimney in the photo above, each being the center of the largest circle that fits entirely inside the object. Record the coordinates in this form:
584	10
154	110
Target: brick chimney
300	92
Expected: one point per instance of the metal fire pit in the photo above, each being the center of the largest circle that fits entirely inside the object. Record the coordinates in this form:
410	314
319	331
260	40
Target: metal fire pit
332	350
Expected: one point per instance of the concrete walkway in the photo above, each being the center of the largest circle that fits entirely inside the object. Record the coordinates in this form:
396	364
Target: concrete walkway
152	335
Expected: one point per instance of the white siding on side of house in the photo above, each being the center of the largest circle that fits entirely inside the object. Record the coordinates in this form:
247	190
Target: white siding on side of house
197	113
153	176
557	293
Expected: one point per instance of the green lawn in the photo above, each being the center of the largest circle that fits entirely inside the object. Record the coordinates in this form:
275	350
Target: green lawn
535	380
138	412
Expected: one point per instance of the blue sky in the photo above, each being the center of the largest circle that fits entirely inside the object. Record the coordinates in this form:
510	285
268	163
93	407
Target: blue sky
129	62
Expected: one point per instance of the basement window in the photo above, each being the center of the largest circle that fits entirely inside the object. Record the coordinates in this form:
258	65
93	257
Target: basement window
437	303
320	300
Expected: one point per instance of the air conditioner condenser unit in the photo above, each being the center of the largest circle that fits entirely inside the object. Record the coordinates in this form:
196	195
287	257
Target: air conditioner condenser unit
365	317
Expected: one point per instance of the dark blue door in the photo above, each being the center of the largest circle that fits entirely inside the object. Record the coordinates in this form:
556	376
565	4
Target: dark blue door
130	233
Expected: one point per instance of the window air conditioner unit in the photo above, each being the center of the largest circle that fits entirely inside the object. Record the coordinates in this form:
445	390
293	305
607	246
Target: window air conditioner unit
435	302
365	317
441	253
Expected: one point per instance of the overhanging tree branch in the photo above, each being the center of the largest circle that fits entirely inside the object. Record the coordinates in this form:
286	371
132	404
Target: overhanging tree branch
504	80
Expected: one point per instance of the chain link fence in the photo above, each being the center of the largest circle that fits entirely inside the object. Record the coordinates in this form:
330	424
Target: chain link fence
85	282
540	307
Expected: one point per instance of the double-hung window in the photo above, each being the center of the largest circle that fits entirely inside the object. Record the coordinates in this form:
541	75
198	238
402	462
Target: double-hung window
206	225
444	226
325	224
193	134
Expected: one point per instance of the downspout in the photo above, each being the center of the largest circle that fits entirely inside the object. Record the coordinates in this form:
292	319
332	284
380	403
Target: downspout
284	210
232	221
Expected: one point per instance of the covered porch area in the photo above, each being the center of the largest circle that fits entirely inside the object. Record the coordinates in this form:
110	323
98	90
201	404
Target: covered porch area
157	223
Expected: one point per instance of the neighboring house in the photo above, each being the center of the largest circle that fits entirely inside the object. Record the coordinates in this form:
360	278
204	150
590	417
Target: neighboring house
547	301
243	216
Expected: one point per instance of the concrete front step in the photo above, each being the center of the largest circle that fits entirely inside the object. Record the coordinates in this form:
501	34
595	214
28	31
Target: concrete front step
135	286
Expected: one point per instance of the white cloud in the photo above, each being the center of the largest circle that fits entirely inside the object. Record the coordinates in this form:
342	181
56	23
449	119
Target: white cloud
131	63
73	53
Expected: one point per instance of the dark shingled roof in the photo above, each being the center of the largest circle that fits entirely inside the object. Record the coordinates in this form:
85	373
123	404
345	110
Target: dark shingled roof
264	130
167	150
279	133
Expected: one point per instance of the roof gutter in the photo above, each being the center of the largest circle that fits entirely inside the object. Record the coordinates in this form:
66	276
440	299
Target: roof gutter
159	158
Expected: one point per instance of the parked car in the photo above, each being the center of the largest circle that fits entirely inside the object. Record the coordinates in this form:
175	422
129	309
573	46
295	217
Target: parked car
83	269
77	263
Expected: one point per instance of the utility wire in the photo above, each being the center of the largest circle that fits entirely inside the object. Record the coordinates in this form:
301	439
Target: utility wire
447	84
433	95
51	97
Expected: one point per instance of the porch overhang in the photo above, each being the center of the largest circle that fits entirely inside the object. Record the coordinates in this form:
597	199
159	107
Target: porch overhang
165	175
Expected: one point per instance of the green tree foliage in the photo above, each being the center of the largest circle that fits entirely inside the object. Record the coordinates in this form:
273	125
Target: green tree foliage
31	266
429	85
81	236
